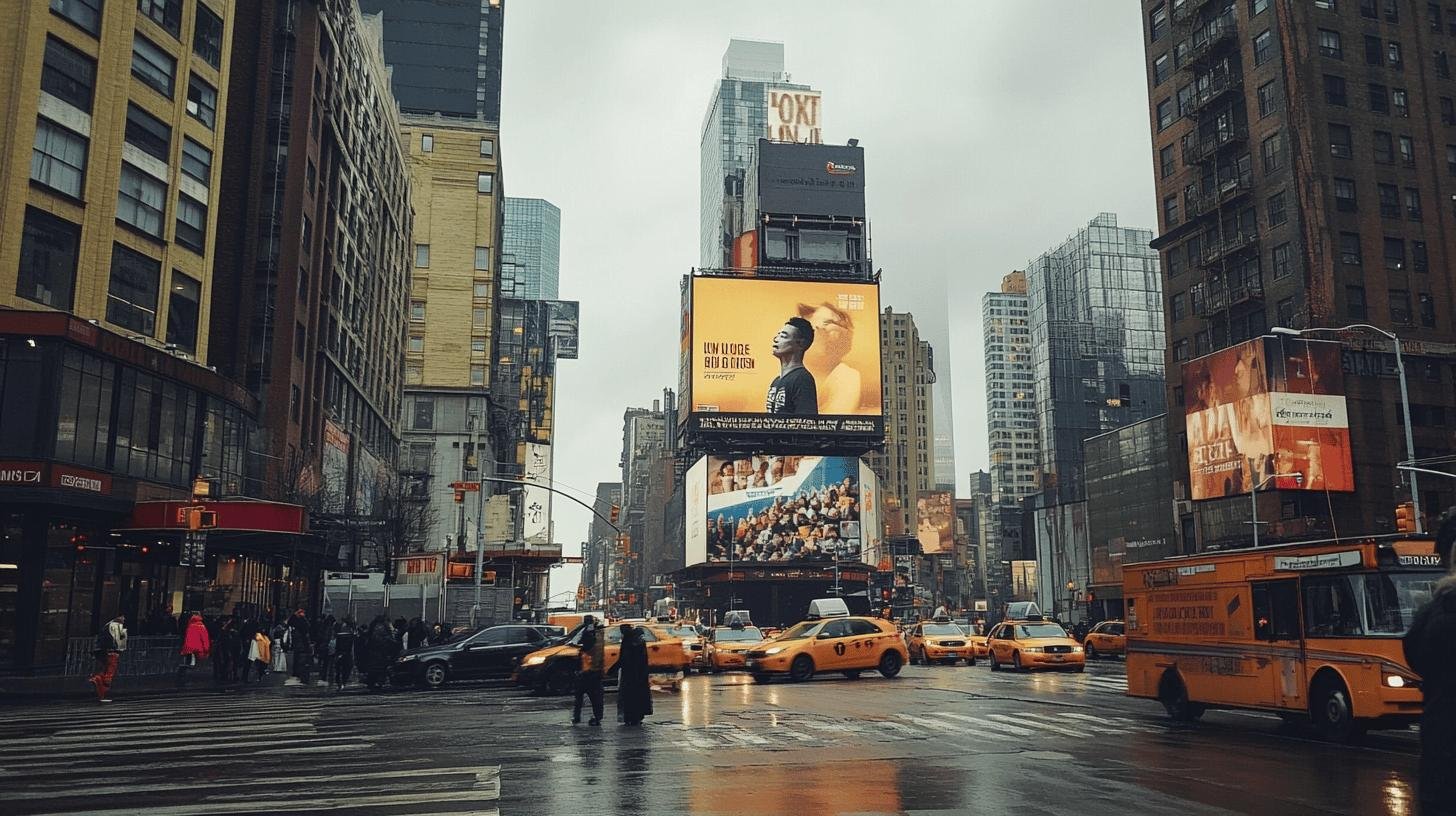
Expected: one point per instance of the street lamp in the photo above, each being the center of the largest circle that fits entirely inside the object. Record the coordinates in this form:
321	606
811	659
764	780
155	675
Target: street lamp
1254	505
1071	599
1410	445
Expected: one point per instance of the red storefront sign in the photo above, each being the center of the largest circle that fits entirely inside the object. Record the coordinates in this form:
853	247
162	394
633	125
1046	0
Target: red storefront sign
248	516
44	474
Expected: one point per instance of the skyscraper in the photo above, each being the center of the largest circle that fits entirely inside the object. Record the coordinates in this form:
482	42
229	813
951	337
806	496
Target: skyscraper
906	466
1010	391
445	55
752	99
531	249
1305	161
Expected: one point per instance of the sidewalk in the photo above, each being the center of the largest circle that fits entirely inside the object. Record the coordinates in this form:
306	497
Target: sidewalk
20	690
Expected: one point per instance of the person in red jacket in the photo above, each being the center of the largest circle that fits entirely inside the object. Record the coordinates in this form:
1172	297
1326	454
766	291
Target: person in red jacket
196	644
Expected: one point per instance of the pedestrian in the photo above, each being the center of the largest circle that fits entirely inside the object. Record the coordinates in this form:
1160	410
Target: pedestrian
323	649
593	660
298	634
1430	649
400	629
196	645
344	637
418	633
382	649
110	643
247	656
438	634
634	695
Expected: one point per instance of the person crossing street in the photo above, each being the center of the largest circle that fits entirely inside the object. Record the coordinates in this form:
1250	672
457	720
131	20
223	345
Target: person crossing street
589	673
110	643
196	645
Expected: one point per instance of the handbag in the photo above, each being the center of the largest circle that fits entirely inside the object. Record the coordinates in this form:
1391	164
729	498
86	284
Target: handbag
252	650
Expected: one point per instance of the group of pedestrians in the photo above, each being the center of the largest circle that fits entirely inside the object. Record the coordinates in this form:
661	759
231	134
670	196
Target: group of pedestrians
634	694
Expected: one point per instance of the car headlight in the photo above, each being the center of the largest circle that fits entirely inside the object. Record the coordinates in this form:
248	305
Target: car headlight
1394	681
1077	650
407	658
1034	649
775	650
534	660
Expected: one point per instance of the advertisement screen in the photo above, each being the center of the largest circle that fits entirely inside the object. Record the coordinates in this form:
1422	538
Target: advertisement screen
1267	413
872	533
935	528
770	508
809	179
785	357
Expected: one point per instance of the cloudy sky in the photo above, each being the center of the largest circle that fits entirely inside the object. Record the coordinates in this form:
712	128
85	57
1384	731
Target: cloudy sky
991	129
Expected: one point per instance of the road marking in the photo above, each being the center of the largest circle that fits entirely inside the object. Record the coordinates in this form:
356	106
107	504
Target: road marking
250	783
929	723
1047	722
191	746
346	803
974	725
1012	724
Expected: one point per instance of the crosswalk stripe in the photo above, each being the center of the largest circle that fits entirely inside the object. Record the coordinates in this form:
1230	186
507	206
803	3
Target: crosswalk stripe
131	733
1010	724
1047	723
929	723
974	725
346	802
172	766
33	792
204	746
1103	720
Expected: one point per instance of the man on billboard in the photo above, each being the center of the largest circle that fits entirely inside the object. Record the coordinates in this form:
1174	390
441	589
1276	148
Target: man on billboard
793	391
840	385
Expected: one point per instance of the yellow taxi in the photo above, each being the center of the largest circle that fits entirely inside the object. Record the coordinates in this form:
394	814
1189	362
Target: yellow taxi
1106	639
1034	644
849	645
980	644
728	647
552	670
939	641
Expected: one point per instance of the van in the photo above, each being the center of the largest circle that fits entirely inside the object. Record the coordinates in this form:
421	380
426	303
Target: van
828	608
741	616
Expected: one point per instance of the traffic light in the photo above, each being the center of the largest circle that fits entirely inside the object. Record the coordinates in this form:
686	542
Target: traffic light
616	511
79	540
886	595
460	497
1405	517
200	519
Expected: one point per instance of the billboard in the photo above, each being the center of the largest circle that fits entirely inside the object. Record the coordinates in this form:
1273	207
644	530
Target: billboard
784	357
871	531
774	508
936	513
536	500
1267	410
808	179
793	115
563	321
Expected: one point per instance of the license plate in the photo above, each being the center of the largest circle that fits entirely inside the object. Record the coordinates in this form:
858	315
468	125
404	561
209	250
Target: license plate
1058	658
952	654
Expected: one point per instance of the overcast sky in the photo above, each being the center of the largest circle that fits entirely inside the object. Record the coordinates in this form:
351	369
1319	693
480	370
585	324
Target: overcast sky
992	130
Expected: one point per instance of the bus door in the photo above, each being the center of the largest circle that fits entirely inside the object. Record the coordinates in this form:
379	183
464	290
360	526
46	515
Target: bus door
1276	623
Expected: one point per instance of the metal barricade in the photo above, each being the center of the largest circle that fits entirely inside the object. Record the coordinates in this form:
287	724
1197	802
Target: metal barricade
152	654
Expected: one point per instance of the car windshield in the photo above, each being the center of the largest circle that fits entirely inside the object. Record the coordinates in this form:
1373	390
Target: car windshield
1040	630
801	630
1393	599
682	631
747	634
938	629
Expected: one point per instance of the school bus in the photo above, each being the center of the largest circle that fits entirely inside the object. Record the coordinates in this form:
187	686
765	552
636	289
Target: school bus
1307	630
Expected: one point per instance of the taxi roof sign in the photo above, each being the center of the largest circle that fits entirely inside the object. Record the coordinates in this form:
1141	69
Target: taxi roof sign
828	608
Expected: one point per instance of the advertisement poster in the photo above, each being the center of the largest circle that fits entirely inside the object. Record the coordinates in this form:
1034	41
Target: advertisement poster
872	532
777	356
936	514
1269	412
769	508
536	511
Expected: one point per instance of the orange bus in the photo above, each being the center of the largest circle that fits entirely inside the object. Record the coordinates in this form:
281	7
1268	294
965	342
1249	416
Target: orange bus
1308	630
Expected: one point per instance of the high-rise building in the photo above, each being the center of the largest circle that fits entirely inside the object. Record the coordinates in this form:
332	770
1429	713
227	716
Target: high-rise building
600	549
1095	308
445	55
644	440
1010	391
752	99
1303	156
531	249
906	466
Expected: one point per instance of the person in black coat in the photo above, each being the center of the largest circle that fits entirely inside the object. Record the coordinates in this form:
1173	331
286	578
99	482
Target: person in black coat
634	695
1430	649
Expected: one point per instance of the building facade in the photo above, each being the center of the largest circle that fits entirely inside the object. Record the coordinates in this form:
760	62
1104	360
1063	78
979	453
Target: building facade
445	55
1130	511
1302	155
1010	391
531	249
599	551
644	442
906	466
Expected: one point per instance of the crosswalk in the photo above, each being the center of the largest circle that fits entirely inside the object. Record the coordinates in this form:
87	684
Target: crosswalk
1102	683
200	755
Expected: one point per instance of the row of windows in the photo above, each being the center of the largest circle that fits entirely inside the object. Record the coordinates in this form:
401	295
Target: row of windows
427	145
1394	203
482	257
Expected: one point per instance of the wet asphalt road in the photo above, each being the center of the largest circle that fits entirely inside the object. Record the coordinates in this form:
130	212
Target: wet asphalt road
949	740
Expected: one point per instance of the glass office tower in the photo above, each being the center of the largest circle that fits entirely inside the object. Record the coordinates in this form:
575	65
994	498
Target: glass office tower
531	249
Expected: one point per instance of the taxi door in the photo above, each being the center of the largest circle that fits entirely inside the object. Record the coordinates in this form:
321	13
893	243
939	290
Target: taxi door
916	642
831	646
1276	623
1001	643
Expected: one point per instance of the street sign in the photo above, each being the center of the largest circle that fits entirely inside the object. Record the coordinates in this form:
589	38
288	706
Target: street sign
470	486
571	559
193	552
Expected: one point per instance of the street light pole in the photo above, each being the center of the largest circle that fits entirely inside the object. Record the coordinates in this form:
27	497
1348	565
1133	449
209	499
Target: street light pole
1410	445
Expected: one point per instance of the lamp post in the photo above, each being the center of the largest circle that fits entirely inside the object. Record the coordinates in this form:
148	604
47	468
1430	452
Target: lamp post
1071	599
1410	445
1254	505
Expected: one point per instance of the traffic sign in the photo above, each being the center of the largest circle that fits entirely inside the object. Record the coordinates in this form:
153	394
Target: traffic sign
471	486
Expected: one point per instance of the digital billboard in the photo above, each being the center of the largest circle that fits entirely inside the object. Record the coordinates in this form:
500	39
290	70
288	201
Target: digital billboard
776	508
785	357
1269	412
935	528
808	179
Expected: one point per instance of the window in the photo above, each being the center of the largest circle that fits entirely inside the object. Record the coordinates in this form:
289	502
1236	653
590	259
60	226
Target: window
1419	261
1180	350
306	236
1170	211
148	133
1355	302
1451	159
1350	248
1276	209
1340	144
1428	309
487	147
48	251
1157	23
152	65
417	310
1162	68
484	182
300	340
477	375
1407	151
477	317
1393	55
1400	306
140	201
1263	47
417	344
1394	253
427	142
1413	203
1335	90
1400	103
196	161
207	36
1327	5
1282	261
131	296
1272	151
414	374
1284	311
1332	607
1345	195
58	158
1384	147
201	101
165	13
1329	44
1389	200
482	258
1374	54
1367	9
1258	7
1433	17
424	418
68	75
422	256
1443	65
1179	306
1392	13
310	175
477	345
480	289
84	13
191	223
182	311
1185	101
1268	97
1165	114
1379	98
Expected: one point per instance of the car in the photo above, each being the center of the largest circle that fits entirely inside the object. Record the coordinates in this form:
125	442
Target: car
850	645
980	647
1034	644
493	651
553	669
939	641
1106	639
728	647
692	642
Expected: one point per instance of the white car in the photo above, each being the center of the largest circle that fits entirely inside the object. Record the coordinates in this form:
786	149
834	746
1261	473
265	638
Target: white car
692	644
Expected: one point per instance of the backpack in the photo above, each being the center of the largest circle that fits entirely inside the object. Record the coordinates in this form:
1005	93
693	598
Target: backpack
104	641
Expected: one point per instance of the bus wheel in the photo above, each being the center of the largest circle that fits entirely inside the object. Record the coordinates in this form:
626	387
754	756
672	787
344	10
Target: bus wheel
1329	709
1174	697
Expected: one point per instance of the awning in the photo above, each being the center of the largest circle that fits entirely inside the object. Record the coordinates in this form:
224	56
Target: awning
232	517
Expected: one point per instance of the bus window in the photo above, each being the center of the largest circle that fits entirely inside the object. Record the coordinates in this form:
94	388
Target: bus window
1276	611
1394	598
1332	606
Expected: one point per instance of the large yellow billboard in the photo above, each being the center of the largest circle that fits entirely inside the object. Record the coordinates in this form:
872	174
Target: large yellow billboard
785	356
